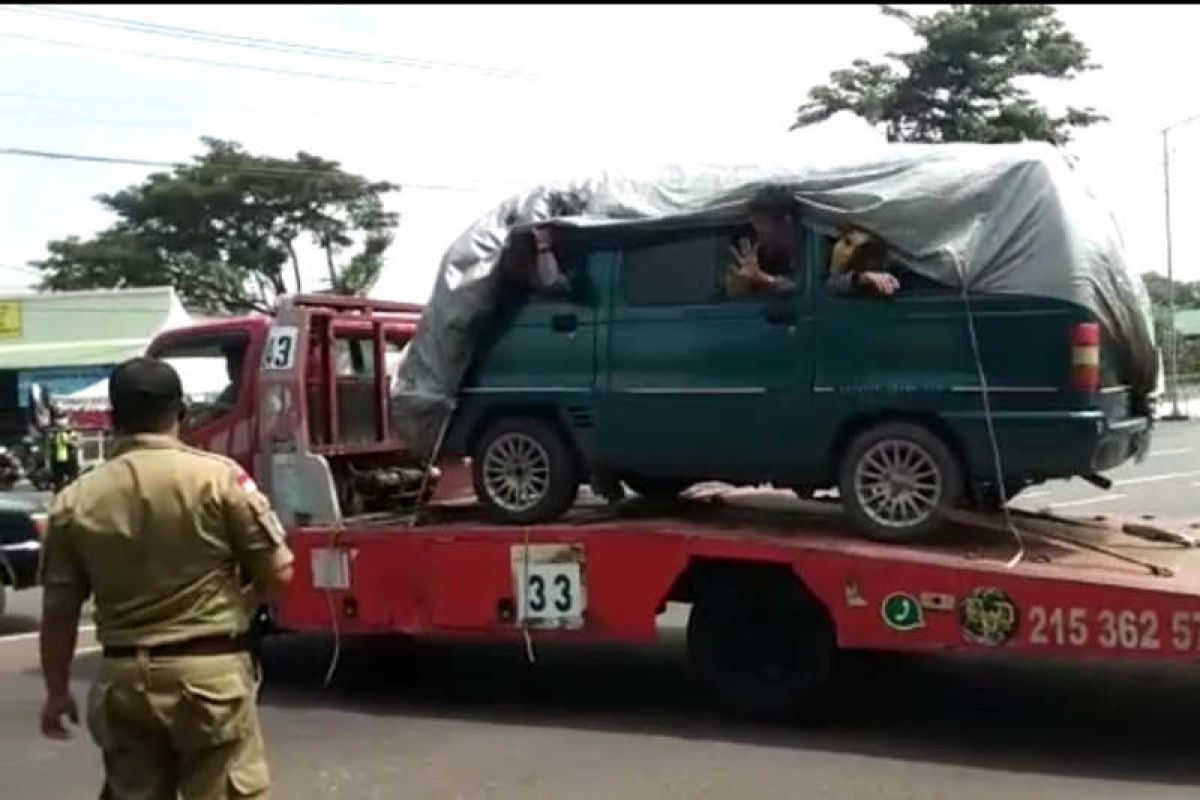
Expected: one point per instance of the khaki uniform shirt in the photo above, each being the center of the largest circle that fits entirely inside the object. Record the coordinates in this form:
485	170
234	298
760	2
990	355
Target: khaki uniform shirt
164	536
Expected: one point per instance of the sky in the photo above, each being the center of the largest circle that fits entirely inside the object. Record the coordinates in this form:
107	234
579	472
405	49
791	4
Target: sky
475	102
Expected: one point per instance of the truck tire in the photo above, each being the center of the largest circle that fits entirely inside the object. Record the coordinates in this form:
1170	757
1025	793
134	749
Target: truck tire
524	471
658	488
896	479
761	642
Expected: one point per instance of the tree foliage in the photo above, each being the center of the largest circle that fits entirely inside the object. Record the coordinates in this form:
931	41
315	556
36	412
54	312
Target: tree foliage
224	231
1187	297
961	85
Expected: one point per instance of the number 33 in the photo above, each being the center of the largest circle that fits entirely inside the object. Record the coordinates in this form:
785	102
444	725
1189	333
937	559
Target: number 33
537	593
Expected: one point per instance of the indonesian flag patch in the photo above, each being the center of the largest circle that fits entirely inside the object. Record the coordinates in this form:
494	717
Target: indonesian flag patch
247	483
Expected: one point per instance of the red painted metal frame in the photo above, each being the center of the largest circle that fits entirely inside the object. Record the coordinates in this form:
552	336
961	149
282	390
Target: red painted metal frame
451	580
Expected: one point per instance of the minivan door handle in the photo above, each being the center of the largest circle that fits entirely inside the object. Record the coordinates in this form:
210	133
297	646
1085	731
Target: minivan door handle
780	315
564	323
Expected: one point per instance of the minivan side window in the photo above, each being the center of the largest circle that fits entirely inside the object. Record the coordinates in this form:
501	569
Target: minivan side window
690	269
912	284
682	270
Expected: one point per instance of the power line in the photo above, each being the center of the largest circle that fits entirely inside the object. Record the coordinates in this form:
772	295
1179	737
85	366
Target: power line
256	43
214	63
163	105
136	162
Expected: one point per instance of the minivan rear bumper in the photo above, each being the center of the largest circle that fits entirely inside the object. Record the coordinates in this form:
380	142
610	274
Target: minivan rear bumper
1045	445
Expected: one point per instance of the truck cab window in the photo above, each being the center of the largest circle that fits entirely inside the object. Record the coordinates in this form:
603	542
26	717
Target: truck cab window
212	371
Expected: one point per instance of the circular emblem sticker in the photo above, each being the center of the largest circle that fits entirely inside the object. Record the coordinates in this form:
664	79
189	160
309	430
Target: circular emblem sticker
988	617
902	612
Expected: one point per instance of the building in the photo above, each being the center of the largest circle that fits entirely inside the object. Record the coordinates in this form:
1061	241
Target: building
70	341
1187	323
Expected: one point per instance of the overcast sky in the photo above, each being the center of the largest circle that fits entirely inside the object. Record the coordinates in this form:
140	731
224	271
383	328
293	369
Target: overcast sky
486	98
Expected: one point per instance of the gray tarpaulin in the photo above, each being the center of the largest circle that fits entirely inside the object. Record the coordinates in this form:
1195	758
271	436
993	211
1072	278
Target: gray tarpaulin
1003	219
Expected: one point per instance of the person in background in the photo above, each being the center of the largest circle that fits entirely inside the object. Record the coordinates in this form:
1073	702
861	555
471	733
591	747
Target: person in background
176	546
64	450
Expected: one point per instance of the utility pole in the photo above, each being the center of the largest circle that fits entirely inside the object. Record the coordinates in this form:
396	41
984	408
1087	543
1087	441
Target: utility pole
1172	339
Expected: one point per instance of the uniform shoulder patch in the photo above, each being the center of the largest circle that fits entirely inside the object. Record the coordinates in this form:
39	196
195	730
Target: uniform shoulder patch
243	479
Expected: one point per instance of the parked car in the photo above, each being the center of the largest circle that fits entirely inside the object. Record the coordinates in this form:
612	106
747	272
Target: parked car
22	527
646	372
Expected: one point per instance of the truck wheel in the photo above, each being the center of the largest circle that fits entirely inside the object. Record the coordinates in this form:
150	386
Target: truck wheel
763	644
524	471
896	479
658	488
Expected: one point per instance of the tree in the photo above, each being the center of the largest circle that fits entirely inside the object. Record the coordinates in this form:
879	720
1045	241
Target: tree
224	229
961	85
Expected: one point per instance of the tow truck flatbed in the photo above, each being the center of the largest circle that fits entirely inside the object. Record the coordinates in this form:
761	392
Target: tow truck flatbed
455	575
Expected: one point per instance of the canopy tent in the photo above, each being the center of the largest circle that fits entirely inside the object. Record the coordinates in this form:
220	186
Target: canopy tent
68	341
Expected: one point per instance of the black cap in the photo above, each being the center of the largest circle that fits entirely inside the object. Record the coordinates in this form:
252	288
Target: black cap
141	379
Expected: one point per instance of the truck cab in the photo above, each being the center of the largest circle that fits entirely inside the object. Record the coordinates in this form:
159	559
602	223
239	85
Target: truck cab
321	365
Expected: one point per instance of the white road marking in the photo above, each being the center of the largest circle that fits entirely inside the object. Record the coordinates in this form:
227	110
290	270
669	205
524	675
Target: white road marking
24	637
1032	495
1178	451
1102	499
1169	476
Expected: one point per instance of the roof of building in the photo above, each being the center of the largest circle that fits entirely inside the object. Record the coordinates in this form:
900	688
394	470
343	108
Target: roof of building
73	329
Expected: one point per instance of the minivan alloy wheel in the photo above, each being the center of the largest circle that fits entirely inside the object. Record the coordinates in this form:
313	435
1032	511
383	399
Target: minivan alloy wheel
898	484
516	472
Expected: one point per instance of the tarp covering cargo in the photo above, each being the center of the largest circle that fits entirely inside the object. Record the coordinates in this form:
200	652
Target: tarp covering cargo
1012	218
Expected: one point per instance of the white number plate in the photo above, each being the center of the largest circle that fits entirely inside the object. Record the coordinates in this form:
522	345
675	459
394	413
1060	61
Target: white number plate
280	352
550	586
330	569
1114	629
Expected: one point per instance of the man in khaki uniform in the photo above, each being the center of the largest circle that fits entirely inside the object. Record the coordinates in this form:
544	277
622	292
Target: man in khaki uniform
166	539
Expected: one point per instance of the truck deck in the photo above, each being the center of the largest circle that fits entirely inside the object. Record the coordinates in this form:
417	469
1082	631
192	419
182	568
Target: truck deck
1080	588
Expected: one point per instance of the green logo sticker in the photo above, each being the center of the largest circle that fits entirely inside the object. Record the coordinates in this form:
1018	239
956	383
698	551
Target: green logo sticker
902	612
989	617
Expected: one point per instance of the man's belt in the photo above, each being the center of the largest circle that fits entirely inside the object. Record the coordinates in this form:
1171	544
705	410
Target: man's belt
201	646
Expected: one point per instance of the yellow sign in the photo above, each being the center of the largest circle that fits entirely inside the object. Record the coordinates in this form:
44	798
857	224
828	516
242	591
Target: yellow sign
10	319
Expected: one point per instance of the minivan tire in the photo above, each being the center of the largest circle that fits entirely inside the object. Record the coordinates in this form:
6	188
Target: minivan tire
907	505
539	459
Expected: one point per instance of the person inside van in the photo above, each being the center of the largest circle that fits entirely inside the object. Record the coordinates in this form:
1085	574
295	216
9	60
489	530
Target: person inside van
766	261
857	265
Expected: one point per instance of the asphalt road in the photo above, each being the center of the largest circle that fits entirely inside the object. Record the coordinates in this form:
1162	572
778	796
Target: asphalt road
478	721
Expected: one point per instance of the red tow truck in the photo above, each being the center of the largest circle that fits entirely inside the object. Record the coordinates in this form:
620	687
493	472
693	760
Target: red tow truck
777	586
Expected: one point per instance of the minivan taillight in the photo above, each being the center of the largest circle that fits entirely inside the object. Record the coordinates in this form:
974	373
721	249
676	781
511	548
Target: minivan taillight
1085	357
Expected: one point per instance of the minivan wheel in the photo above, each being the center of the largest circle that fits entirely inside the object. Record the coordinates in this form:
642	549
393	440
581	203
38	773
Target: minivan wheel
895	481
524	471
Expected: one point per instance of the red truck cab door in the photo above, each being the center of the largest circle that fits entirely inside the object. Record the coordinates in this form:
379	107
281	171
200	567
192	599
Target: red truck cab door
217	364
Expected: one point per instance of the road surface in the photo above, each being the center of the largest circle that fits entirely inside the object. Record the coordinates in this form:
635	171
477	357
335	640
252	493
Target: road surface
477	721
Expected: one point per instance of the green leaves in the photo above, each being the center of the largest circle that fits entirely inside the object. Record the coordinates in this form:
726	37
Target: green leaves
961	84
223	230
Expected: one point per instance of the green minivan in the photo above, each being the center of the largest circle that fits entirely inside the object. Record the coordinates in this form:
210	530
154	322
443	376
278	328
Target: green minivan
646	372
